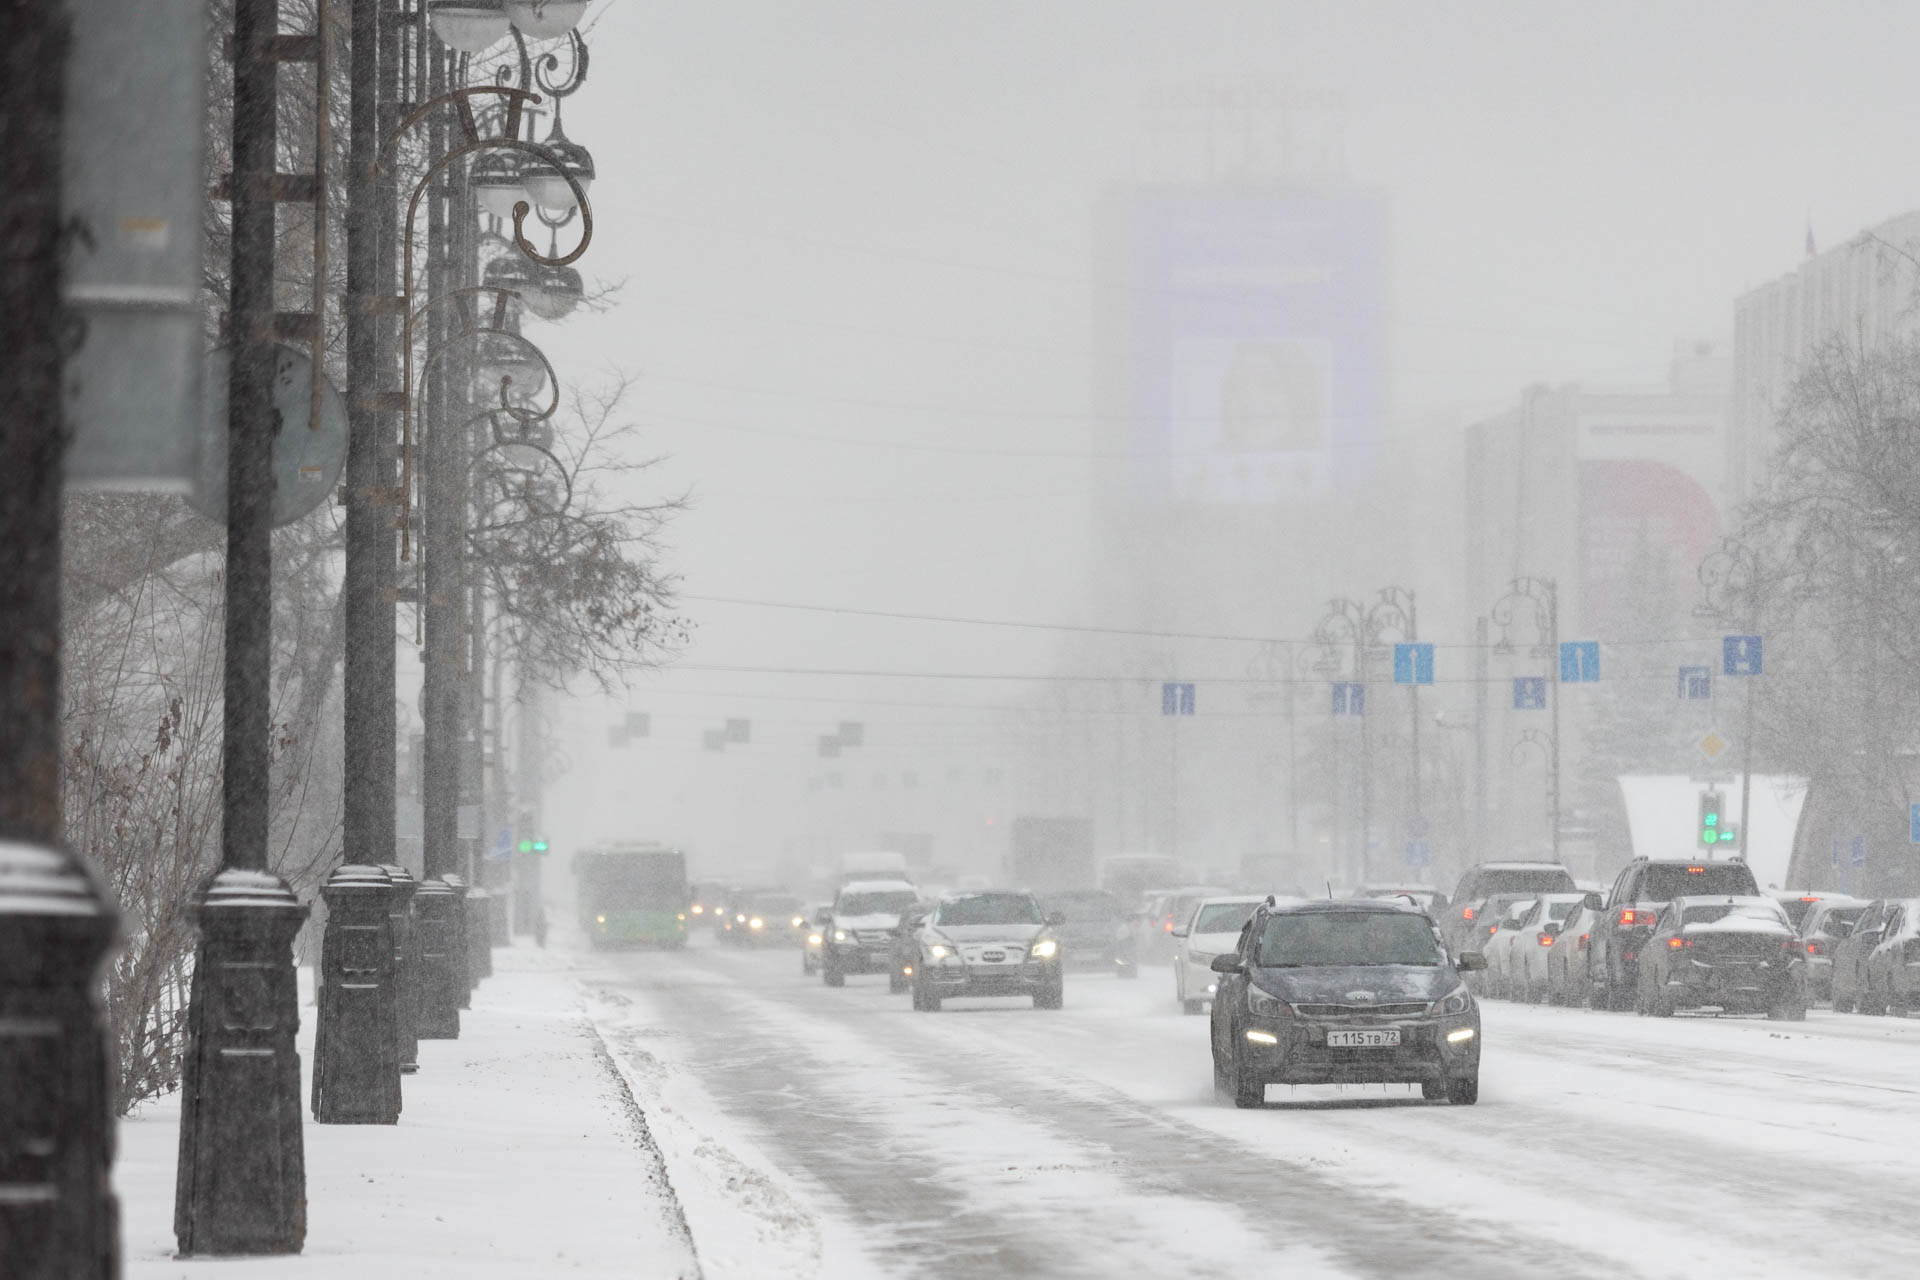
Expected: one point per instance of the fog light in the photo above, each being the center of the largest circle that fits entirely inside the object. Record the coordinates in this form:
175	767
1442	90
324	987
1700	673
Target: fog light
1455	1037
1267	1037
907	971
599	919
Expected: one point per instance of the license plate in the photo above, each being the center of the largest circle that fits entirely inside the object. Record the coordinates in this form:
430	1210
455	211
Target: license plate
1384	1038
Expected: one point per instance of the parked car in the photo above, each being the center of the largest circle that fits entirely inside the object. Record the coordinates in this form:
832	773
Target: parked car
1097	933
1484	880
1517	954
1850	954
858	935
994	943
1362	991
1821	930
1735	953
1213	929
1568	982
1890	978
1166	910
1642	888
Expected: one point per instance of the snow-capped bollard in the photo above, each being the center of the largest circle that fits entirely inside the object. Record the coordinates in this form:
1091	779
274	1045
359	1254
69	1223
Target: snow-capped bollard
479	934
437	979
242	1186
406	967
58	1216
460	949
356	1051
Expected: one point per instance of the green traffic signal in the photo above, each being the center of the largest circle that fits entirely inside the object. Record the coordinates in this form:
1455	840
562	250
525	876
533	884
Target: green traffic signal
533	846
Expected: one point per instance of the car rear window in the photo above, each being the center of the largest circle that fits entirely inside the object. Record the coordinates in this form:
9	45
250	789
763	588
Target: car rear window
1561	910
1665	883
1323	939
1224	917
1838	922
1708	912
1492	880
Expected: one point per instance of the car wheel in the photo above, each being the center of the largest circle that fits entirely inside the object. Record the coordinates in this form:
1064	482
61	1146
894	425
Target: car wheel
896	982
1051	996
925	1001
1870	1002
832	976
1659	1003
1433	1090
1248	1090
1464	1091
1222	1083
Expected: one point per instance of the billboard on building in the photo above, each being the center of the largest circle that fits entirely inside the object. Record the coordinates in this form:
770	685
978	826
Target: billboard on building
1244	336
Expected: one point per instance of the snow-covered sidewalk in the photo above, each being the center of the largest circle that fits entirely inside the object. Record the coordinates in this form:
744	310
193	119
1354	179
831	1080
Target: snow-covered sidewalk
520	1152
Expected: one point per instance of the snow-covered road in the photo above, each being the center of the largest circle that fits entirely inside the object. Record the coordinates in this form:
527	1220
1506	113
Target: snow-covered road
854	1136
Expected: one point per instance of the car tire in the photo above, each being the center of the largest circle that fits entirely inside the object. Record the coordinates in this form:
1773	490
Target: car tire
1842	1004
1192	1008
925	1001
1659	1003
1433	1090
1870	1002
1248	1093
1464	1091
832	976
1051	996
896	982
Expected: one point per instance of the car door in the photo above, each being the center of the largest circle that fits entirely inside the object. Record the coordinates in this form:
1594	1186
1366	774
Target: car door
1230	991
1849	958
1601	945
1877	961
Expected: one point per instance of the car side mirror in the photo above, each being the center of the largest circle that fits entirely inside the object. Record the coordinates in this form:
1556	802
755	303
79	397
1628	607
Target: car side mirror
1056	918
1551	928
1179	933
1471	962
1228	963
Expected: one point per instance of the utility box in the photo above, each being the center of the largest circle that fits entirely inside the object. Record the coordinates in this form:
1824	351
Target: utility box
133	185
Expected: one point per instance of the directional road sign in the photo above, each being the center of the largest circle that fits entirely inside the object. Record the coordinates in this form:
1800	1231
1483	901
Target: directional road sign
1696	683
1419	853
1913	823
1579	661
1859	851
1176	699
1413	664
1349	698
1529	693
1740	655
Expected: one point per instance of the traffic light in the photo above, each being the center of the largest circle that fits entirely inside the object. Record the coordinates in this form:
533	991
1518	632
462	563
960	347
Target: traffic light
533	846
1709	825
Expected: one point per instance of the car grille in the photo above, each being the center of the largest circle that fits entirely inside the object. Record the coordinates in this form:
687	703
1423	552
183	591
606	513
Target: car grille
1360	1010
993	953
872	937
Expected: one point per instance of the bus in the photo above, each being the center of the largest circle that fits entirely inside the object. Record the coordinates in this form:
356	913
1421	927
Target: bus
632	894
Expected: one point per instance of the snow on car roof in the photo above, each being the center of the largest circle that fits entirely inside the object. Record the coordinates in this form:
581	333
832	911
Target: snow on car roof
877	886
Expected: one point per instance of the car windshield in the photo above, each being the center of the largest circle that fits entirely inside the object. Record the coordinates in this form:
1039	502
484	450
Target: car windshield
1322	939
1224	917
1493	880
1838	922
1708	912
1664	884
989	908
885	902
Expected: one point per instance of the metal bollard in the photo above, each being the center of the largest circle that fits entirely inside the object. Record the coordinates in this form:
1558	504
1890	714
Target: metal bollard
480	933
242	1185
460	949
406	967
438	1003
58	1215
356	1052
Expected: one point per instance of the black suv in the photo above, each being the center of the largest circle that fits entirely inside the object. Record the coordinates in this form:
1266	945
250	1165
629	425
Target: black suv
1463	924
1362	991
1639	892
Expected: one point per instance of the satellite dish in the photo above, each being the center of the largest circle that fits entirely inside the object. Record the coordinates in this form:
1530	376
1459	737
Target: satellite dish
306	463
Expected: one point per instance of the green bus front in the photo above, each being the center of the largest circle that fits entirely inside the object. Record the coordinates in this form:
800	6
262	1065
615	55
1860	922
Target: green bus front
633	896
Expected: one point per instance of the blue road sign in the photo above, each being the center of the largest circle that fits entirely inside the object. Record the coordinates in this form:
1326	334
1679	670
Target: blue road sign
1696	683
1859	851
1413	664
1836	851
1529	693
1176	699
1740	655
1913	823
1349	698
1579	661
1419	853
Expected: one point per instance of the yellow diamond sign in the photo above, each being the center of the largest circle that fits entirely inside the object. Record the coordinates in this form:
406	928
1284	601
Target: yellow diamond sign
1713	744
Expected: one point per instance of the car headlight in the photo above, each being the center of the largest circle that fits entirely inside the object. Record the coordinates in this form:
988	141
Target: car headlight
841	935
813	939
1459	1001
798	921
1045	949
1266	1004
756	923
938	951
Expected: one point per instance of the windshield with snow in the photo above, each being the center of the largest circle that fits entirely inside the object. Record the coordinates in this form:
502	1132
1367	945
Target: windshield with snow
1224	917
1323	939
989	908
887	902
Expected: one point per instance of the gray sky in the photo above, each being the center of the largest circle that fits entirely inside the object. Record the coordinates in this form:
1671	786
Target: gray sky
855	244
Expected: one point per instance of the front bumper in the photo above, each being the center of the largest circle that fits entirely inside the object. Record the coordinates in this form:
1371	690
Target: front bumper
1726	985
955	977
855	957
1300	1054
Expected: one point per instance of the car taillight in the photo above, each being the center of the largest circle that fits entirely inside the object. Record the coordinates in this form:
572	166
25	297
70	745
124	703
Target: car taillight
1814	948
1674	944
1629	918
1583	941
1169	926
1466	913
1546	939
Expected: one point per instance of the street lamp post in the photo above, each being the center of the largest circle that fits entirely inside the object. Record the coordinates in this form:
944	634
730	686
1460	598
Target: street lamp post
1345	629
1541	596
1729	584
1396	612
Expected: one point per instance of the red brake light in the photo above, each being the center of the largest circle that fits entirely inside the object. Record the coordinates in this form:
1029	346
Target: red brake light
1674	944
1583	941
1546	939
1814	948
1466	913
1695	871
1810	899
1169	926
1629	918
